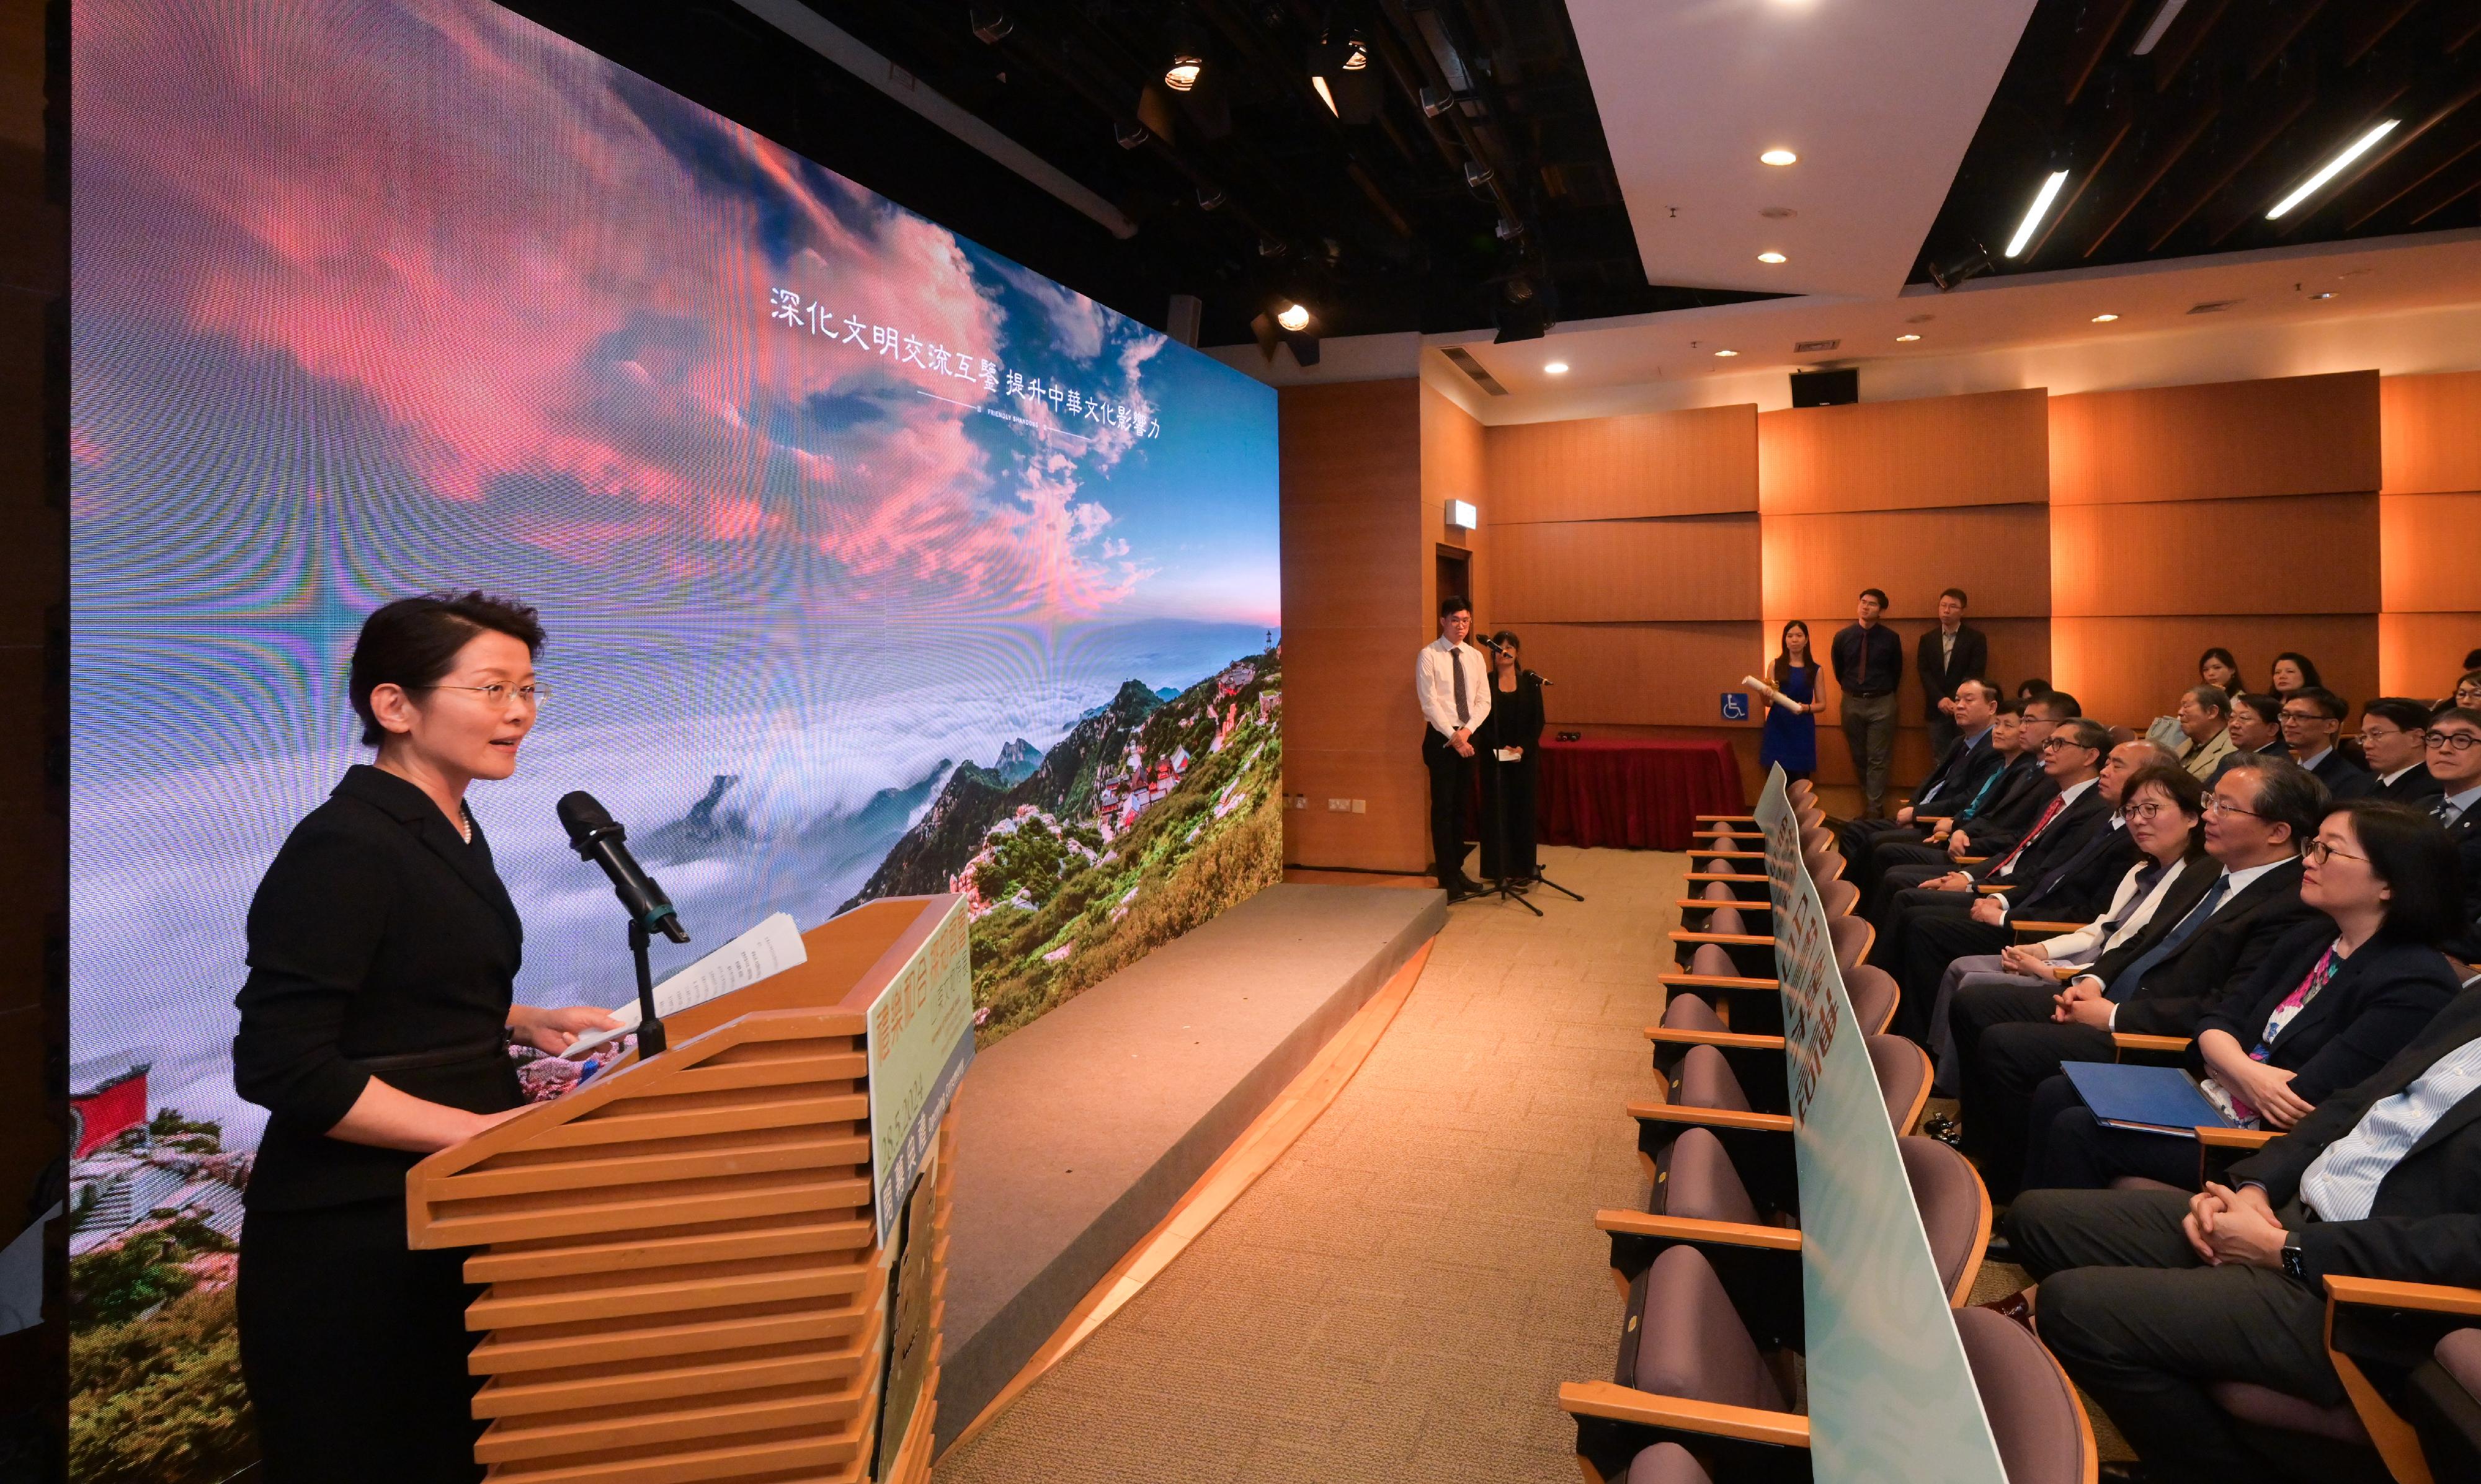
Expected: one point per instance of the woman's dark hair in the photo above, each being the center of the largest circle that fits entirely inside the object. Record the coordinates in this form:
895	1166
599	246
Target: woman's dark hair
2218	652
1506	637
2418	863
1783	652
2472	659
2307	669
412	641
2185	789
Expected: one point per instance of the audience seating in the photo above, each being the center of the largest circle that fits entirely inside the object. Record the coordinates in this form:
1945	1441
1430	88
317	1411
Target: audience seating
2442	1403
2036	1417
1688	1020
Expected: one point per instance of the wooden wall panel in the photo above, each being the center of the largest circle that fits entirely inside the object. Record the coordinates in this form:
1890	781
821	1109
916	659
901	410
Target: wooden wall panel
1642	674
2422	655
1989	448
2127	670
1658	463
2291	436
2430	551
1454	467
1357	568
2430	433
1687	569
2301	554
1815	565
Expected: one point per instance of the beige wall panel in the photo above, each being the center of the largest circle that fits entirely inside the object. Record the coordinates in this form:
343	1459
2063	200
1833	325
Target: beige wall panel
1451	469
1988	448
2428	546
1607	468
1641	674
2422	655
2128	671
2291	436
2430	433
1393	835
1815	566
2304	554
1699	568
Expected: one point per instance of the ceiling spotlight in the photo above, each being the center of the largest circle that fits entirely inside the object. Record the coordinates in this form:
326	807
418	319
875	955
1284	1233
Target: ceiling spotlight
1184	71
1211	197
990	24
1556	368
2033	215
2103	319
1356	54
1318	84
2163	19
1295	318
1727	353
1906	339
2327	294
1771	257
1778	157
2333	167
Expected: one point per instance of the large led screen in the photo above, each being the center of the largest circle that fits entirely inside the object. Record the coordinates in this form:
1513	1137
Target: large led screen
872	562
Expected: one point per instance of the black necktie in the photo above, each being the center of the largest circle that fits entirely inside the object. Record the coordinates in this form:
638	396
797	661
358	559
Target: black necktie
1457	656
2444	809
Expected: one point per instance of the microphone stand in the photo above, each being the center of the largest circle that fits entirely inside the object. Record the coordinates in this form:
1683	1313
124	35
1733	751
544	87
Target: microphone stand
1539	679
650	1026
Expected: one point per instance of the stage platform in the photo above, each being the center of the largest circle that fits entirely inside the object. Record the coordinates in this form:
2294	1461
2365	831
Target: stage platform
1077	1135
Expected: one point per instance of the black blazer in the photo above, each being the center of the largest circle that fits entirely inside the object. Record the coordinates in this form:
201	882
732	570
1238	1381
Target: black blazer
2466	832
2012	810
2239	755
2416	787
381	943
2425	1224
2378	1001
1938	680
2060	844
2079	888
2343	778
1968	762
2215	959
1515	721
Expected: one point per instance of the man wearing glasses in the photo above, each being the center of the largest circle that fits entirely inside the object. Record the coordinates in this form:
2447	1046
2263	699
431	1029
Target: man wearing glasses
2311	719
2455	762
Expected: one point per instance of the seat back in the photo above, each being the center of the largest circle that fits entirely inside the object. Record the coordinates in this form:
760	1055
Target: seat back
1693	1344
1955	1211
1712	958
2043	1434
1873	992
1665	1463
1823	868
1838	897
1817	840
1687	1012
1903	1077
1717	891
1725	919
1705	1080
1851	937
1698	1181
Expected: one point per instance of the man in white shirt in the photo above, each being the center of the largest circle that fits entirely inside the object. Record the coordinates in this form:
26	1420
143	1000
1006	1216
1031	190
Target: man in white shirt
1451	680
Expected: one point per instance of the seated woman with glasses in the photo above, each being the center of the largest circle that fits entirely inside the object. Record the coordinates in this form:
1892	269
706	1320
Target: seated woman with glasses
2333	1002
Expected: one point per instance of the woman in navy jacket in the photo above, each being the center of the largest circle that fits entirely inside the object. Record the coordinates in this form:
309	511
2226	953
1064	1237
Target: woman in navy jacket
2334	1001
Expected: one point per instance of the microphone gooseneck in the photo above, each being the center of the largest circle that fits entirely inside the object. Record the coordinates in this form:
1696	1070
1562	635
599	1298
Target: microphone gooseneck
598	838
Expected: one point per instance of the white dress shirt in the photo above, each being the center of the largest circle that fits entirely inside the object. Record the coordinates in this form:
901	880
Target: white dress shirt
2459	804
1434	685
2126	917
2341	1184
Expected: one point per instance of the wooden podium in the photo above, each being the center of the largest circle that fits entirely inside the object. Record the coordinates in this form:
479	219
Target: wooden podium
684	1277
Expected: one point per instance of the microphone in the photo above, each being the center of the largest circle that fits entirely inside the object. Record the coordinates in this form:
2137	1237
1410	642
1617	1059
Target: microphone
1489	643
1538	678
597	837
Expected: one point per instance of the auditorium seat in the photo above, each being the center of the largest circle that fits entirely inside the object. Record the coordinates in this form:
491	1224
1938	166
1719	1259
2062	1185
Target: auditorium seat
1874	995
1904	1077
1955	1211
2036	1417
1665	1463
1839	897
2442	1402
1747	1077
1693	1341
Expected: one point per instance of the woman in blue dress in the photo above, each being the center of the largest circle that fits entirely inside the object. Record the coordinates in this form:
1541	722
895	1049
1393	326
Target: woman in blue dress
1791	735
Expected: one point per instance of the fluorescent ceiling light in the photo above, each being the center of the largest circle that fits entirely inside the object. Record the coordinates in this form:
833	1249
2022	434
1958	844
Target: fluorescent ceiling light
2333	167
2041	207
1727	353
1906	339
2103	319
2163	19
1778	157
1556	368
1771	257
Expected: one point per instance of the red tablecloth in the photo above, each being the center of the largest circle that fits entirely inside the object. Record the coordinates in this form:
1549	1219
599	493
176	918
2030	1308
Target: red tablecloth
1645	795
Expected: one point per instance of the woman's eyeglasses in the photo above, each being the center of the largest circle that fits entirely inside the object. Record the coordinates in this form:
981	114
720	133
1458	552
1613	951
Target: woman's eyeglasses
2318	851
2152	811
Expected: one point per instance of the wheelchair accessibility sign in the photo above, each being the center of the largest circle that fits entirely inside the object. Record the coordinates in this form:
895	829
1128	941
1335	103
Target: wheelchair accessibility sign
1736	706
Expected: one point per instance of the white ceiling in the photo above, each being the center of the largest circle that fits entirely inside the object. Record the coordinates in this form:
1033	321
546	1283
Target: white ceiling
1878	97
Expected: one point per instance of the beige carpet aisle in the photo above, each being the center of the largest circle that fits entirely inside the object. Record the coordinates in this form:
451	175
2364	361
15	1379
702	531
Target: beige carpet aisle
1401	1294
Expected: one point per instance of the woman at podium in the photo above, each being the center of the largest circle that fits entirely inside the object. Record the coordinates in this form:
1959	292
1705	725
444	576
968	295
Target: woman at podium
1508	783
375	1028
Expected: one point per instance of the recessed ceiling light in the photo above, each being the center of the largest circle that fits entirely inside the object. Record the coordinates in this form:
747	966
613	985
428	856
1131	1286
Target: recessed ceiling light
2333	167
2103	319
1295	318
1902	339
1771	257
1778	157
1557	368
1727	353
2328	294
2034	213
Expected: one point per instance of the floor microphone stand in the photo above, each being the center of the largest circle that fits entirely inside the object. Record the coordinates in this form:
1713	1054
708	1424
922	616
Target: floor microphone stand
1507	888
650	1026
1539	679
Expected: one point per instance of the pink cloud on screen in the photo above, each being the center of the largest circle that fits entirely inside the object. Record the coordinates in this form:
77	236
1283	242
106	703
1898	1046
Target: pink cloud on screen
458	216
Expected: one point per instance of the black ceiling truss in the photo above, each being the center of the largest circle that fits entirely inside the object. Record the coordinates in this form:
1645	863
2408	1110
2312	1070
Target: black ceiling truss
2184	151
1461	182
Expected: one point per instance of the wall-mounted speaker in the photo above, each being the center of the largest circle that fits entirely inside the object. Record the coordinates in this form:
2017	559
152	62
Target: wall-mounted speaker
1825	388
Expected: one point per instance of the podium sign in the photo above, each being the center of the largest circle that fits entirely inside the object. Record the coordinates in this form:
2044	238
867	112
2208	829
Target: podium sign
920	1041
1891	1395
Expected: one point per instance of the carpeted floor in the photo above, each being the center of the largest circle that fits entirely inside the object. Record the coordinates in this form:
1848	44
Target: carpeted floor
1401	1294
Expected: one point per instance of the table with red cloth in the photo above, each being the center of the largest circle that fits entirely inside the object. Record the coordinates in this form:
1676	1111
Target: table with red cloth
1633	792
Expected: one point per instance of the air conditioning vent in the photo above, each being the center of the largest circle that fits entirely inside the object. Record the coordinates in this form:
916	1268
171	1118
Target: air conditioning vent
2212	306
1806	346
1482	377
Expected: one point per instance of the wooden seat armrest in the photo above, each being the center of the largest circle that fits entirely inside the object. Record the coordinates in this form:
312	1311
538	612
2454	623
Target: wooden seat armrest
1738	939
2247	1141
1758	877
1727	819
1994	889
1729	855
1734	1234
1609	1400
2387	1294
2132	1041
1714	981
1710	903
1711	1117
1728	1040
1970	860
2048	930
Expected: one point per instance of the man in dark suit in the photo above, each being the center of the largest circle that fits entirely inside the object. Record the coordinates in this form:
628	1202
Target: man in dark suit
2001	811
2394	738
2313	720
1869	662
2148	1296
2257	731
2455	762
2074	890
1957	779
1947	656
2206	939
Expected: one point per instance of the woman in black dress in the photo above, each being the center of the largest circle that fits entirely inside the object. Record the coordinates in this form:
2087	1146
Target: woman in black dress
375	1028
1514	724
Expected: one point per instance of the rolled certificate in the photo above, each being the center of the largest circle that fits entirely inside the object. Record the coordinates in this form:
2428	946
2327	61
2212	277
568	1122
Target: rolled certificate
1777	697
